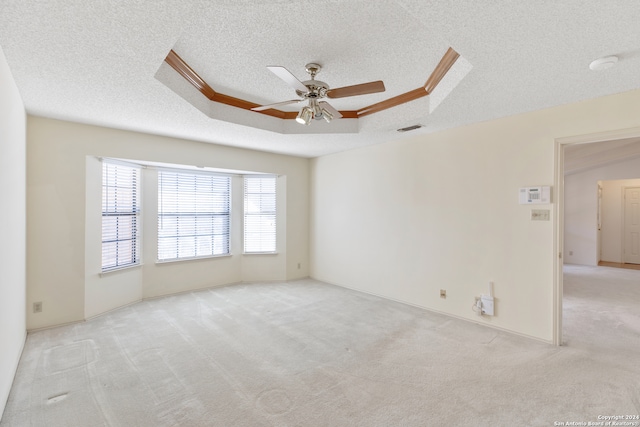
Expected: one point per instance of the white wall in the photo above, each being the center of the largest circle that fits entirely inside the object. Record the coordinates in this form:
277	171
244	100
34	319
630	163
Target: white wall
612	239
440	211
64	220
581	207
12	229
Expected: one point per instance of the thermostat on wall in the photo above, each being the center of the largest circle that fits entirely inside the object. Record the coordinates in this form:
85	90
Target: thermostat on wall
534	195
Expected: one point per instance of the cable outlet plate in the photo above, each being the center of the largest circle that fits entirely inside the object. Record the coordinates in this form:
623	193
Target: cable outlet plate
487	304
443	293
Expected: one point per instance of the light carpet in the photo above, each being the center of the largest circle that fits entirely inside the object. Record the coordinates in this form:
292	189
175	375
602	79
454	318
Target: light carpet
305	353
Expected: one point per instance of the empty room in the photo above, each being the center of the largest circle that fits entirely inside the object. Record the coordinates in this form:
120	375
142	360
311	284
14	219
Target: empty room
292	213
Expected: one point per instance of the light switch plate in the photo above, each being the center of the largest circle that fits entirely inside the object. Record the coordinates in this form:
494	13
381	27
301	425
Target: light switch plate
540	214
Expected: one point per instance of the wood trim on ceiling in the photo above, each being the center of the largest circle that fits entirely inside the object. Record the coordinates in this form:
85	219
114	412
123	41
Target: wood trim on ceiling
392	102
182	68
443	67
187	72
178	64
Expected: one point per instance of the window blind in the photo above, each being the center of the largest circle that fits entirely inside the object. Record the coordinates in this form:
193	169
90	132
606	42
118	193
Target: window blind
120	210
259	214
193	215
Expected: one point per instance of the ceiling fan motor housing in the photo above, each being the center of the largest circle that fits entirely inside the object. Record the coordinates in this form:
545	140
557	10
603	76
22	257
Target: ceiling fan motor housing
316	89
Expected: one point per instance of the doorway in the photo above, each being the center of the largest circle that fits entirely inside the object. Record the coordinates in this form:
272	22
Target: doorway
618	222
579	154
631	228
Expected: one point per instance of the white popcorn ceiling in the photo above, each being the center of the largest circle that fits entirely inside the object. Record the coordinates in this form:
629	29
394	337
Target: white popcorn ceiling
96	61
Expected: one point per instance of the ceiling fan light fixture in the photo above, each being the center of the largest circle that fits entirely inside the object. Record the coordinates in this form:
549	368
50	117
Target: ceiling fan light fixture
304	116
317	111
327	116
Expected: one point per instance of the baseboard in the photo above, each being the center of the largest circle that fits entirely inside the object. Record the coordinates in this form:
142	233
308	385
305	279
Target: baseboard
188	291
57	325
509	331
111	310
222	285
253	282
498	328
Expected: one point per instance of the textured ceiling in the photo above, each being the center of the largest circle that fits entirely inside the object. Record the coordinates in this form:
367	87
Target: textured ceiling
96	62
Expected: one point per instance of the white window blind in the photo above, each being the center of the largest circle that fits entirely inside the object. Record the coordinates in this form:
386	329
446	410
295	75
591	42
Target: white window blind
259	214
120	210
193	215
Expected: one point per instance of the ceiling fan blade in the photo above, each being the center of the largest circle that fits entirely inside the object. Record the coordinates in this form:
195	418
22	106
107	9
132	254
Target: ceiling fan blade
288	78
361	89
335	113
276	104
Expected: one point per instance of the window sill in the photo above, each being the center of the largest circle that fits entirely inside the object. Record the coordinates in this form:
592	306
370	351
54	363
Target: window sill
119	269
197	258
260	253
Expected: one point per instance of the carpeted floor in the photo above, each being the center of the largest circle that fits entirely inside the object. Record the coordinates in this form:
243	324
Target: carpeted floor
309	354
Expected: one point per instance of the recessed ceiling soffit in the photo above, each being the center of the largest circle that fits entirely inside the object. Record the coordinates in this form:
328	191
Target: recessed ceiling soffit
449	72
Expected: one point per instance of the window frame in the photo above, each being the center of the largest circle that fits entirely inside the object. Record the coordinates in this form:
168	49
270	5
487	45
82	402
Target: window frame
247	215
161	217
134	212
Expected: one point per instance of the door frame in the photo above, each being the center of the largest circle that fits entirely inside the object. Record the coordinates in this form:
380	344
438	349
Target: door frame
558	222
624	222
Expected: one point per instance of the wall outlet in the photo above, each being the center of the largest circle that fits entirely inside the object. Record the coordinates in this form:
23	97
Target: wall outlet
298	266
443	293
37	307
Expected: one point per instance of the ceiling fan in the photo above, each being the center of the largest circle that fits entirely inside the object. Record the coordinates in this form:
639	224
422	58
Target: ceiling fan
314	91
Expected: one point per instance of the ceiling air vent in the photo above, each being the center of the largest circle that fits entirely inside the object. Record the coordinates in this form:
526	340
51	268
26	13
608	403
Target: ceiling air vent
408	128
